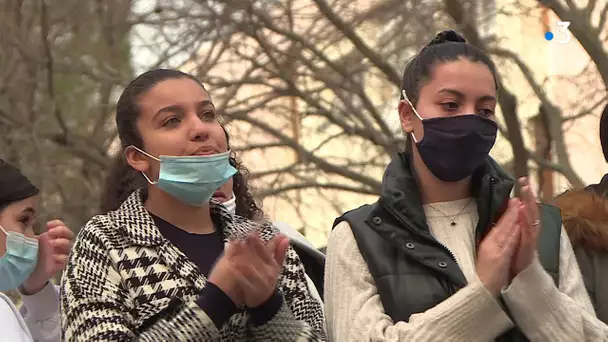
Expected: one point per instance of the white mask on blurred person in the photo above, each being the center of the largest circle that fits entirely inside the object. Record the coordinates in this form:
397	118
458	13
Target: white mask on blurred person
231	204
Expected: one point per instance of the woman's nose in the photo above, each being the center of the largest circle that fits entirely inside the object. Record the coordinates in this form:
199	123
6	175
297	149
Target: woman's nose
199	129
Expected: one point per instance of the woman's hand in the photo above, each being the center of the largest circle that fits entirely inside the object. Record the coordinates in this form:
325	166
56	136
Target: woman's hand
259	267
248	271
529	221
54	246
497	249
225	275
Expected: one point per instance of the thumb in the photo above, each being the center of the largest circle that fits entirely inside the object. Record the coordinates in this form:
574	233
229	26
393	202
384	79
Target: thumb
281	250
271	245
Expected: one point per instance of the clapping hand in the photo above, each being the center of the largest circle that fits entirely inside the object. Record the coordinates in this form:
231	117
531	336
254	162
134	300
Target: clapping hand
498	248
249	269
259	267
529	221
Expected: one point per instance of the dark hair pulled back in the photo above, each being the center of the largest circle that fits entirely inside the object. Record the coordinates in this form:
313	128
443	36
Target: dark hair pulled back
122	180
447	46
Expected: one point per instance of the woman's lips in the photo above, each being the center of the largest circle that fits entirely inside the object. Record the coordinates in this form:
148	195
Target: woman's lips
219	194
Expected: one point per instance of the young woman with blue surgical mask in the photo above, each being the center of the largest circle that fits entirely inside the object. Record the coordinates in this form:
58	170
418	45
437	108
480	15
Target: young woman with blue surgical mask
172	264
28	262
446	254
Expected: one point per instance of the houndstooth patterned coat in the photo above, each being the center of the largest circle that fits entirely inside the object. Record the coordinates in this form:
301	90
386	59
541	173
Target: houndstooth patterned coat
125	282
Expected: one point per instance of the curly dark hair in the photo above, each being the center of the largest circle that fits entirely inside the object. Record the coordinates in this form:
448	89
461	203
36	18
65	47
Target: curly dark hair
245	203
122	179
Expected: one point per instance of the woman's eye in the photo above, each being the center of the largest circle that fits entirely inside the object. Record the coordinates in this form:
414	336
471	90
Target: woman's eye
208	116
487	112
171	121
449	105
24	221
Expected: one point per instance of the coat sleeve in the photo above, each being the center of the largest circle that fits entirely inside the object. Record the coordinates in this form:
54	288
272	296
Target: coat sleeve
40	312
300	318
95	303
547	313
355	313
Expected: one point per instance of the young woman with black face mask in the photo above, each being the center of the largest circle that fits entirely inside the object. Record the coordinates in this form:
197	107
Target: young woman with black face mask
445	254
171	263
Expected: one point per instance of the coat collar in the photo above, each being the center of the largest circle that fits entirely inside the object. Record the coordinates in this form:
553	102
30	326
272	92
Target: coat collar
585	217
138	225
401	191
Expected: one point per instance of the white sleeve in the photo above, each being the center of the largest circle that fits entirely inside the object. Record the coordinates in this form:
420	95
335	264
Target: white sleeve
354	311
546	313
40	312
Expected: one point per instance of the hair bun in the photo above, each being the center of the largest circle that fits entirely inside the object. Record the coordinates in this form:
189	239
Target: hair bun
447	36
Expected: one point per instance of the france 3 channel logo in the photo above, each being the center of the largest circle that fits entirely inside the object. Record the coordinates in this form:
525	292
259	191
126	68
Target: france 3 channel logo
562	36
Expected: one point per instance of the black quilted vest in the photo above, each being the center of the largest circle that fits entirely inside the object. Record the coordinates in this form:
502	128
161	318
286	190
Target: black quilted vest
412	271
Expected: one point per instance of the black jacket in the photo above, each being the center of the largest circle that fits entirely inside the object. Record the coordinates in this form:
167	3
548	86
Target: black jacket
412	271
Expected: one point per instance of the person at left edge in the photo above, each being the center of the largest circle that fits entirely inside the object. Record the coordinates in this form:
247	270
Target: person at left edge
28	262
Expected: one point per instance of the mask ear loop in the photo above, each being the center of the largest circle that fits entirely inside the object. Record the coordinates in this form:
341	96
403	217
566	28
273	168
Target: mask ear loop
20	237
405	98
148	155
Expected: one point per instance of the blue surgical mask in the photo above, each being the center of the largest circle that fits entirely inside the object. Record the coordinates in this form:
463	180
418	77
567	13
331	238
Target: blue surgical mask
19	261
192	179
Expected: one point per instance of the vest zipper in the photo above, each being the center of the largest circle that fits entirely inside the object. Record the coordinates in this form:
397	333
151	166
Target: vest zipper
449	251
491	211
431	238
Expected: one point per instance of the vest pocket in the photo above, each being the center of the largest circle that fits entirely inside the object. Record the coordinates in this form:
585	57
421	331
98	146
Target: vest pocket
405	294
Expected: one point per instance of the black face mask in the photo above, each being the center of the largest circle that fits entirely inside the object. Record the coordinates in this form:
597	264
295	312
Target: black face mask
454	146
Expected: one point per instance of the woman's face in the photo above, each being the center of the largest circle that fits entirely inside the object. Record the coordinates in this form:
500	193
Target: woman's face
177	118
18	217
454	88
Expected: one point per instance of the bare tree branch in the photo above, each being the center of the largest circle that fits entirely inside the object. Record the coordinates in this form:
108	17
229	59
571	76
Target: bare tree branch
44	32
315	185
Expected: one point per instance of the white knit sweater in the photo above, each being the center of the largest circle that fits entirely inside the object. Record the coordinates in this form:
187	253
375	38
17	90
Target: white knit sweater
354	311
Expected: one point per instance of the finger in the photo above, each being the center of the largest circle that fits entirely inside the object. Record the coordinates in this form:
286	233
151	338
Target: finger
253	272
529	199
281	250
60	259
246	283
500	233
254	242
54	223
513	241
522	218
58	232
233	248
529	231
61	246
271	246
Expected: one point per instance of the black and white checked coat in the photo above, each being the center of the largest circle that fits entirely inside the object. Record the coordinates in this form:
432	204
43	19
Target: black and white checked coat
125	282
